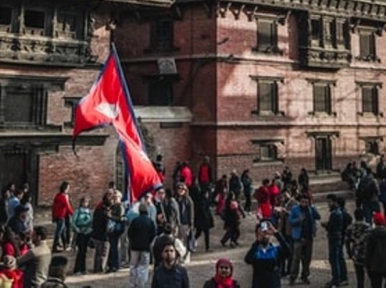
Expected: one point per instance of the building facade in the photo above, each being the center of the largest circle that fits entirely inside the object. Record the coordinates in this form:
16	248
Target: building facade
50	54
268	84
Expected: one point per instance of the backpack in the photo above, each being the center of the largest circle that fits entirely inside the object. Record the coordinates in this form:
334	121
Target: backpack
367	189
347	220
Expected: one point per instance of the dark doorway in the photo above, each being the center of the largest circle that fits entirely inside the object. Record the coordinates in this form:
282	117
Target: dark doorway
323	154
14	168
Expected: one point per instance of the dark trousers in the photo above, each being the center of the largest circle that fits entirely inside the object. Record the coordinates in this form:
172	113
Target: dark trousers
302	253
80	261
287	262
206	235
369	208
232	233
248	202
335	257
114	257
360	275
377	279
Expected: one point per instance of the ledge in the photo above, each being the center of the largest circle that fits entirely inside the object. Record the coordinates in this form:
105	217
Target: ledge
163	114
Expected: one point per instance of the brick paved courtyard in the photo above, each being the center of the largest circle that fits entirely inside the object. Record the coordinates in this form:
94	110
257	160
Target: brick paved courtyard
202	265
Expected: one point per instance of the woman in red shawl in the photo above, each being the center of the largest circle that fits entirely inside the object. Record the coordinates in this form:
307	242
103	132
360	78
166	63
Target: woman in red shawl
223	277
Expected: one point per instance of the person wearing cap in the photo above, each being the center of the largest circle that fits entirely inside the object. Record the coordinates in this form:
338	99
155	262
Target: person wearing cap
9	270
223	276
141	234
375	256
18	222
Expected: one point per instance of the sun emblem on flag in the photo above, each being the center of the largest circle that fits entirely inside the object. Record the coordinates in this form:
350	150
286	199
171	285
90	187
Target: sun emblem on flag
109	110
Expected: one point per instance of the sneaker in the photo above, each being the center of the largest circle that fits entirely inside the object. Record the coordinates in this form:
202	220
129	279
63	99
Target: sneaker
209	250
343	283
306	281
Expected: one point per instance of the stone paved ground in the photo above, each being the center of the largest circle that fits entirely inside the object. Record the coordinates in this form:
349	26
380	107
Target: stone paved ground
202	265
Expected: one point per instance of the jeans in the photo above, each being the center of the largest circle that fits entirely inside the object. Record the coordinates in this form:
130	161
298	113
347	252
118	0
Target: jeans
360	275
101	253
335	257
125	246
286	263
80	261
114	256
59	232
369	208
376	279
183	236
139	268
302	253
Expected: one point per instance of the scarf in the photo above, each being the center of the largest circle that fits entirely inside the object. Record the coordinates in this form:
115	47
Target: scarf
222	282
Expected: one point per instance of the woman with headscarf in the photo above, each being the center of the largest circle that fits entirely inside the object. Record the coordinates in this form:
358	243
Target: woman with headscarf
223	277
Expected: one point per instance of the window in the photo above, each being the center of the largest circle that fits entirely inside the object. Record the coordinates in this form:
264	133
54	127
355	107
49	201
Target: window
5	15
267	36
23	105
367	47
71	103
34	22
162	35
267	150
161	92
322	98
371	146
370	99
316	30
267	97
66	25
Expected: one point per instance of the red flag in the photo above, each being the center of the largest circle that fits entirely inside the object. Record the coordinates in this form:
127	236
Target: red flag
107	103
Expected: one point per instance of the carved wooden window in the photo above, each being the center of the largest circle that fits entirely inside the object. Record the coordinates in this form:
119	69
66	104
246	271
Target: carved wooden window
268	97
5	19
23	105
161	92
341	33
66	25
322	98
267	36
162	35
316	30
34	22
367	46
370	100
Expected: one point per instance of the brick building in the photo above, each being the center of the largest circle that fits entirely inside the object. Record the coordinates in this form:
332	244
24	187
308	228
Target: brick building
50	54
267	83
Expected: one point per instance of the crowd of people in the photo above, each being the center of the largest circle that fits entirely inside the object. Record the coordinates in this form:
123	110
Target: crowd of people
162	230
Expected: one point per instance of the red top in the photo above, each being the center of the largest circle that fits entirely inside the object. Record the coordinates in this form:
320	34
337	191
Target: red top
16	275
262	195
61	208
274	192
9	249
204	175
187	174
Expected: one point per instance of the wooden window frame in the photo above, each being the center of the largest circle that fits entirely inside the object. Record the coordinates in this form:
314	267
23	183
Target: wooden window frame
274	96
272	45
271	147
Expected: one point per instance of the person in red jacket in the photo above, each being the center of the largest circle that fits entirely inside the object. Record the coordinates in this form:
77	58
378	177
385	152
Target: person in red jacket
186	174
263	197
61	208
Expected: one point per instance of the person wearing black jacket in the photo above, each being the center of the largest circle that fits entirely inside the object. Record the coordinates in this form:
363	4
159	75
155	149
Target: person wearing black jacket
141	234
99	233
265	257
170	274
